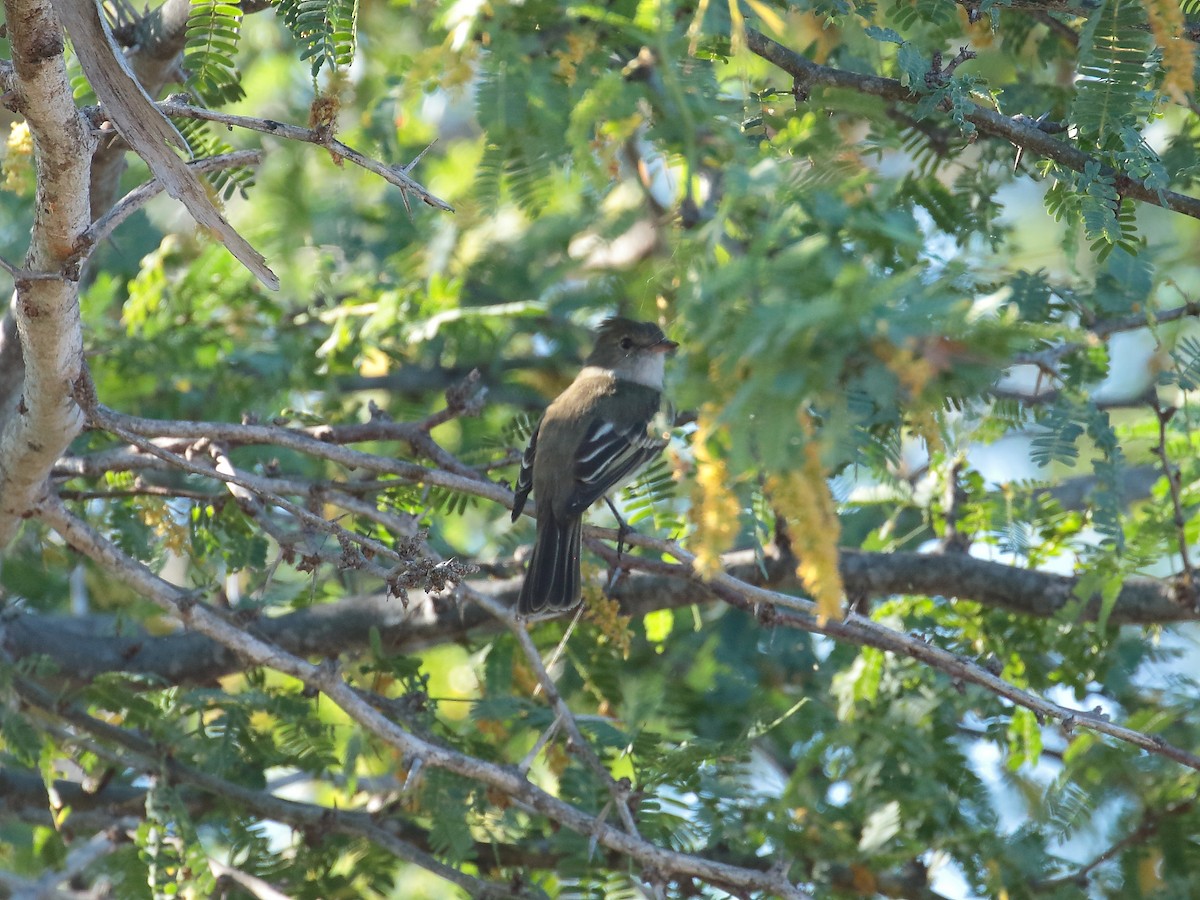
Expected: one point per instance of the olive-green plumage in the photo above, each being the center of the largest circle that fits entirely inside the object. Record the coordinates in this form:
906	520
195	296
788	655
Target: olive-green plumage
592	438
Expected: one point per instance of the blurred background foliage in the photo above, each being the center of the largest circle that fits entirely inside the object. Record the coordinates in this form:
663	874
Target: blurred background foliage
879	308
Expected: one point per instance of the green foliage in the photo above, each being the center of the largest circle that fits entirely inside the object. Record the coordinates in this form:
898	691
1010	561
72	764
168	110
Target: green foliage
1060	440
1113	71
214	30
878	280
650	496
1186	372
326	29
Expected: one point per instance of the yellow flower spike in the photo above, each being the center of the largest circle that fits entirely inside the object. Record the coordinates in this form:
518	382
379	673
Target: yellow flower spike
803	498
714	509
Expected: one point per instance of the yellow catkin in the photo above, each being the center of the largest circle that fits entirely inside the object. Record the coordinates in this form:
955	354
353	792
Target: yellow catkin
714	508
802	496
571	55
157	516
1166	23
605	614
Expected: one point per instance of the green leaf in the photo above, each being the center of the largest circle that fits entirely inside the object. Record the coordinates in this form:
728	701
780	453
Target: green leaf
883	34
214	31
658	625
1114	52
326	29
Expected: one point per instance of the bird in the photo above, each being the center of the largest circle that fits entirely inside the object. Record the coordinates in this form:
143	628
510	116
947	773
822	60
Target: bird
595	436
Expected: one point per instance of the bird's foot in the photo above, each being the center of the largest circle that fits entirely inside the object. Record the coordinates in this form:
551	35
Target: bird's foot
623	528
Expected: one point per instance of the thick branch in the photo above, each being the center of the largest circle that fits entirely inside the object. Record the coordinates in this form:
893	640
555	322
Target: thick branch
87	647
39	417
154	44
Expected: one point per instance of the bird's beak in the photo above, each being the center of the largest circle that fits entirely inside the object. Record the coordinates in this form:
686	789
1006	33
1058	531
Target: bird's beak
664	346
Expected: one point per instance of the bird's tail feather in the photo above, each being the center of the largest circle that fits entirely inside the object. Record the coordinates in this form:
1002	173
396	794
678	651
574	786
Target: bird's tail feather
552	581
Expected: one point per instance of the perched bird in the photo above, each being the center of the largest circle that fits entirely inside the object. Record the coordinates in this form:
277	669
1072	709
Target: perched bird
593	437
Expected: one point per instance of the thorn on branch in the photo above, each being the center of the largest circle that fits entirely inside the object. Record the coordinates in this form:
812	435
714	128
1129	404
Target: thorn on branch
1042	123
413	777
407	170
964	54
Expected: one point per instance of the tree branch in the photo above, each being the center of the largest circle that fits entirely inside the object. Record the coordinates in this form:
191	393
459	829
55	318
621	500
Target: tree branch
326	679
153	45
1018	131
147	132
85	647
38	416
106	224
397	175
1149	824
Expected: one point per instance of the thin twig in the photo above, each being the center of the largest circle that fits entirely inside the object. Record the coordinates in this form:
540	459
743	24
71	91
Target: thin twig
1150	822
855	630
397	175
1064	31
618	791
252	884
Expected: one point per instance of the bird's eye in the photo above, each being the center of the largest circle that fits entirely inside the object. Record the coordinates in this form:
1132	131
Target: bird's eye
626	343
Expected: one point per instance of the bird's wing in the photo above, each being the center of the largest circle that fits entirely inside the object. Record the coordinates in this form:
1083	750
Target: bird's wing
608	455
525	478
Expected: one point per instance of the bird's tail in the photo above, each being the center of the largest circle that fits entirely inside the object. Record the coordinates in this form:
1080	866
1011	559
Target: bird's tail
552	581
